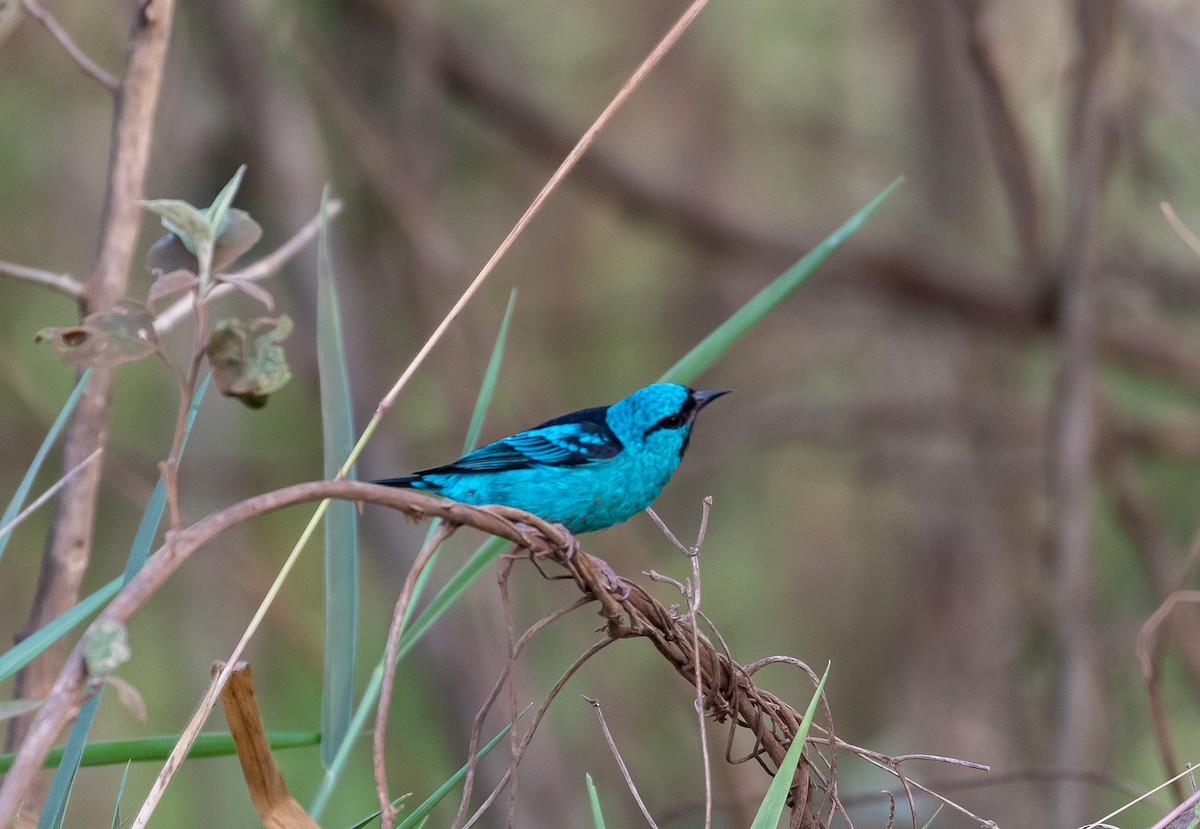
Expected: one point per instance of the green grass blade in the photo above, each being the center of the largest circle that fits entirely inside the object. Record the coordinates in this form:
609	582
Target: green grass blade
59	795
929	823
475	566
333	772
708	350
490	376
775	801
594	800
116	821
341	519
29	648
422	811
158	748
458	584
64	778
18	499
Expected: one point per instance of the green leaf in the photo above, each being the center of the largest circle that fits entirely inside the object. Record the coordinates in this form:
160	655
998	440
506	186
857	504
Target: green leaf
341	519
76	747
105	338
247	360
117	821
218	210
186	222
35	466
490	375
775	801
594	800
29	648
157	749
421	812
706	352
475	567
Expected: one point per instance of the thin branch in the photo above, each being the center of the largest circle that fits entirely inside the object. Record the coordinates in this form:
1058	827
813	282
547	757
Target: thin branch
612	745
89	66
387	818
1181	230
48	494
537	719
68	550
635	80
497	687
61	282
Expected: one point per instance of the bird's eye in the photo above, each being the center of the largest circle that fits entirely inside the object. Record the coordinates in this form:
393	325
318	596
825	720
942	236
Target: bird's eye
674	421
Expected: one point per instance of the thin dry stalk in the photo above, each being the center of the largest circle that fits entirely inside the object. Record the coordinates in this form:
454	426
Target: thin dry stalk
537	719
635	80
497	687
612	745
47	495
61	282
387	818
89	66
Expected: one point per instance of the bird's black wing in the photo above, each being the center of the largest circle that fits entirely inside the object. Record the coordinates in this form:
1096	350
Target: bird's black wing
575	439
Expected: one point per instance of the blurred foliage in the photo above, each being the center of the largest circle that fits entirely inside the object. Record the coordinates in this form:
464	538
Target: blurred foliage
880	477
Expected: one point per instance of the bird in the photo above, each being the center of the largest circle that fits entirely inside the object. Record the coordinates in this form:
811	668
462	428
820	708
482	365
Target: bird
587	470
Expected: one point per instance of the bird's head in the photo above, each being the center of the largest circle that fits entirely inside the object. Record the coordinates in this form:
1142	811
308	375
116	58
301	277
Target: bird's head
659	417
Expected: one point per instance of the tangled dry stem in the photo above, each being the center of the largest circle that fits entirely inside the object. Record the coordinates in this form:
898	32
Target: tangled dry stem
726	688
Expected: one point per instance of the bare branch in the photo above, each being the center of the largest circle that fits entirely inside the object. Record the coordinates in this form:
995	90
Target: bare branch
612	745
89	66
61	282
68	549
47	495
387	817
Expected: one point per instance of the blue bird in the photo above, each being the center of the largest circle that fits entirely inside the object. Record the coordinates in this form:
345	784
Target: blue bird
587	470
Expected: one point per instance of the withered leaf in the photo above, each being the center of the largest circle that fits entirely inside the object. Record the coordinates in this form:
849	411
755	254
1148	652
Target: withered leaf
106	338
247	361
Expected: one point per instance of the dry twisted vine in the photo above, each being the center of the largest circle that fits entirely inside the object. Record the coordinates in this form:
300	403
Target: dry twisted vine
727	688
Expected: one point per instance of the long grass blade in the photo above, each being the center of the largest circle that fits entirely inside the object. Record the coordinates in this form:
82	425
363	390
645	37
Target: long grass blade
18	499
421	812
156	749
594	802
29	648
775	801
445	598
64	778
706	352
116	821
341	520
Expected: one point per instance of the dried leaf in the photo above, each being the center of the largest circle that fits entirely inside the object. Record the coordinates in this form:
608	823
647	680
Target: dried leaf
169	283
106	338
247	360
252	290
107	648
129	696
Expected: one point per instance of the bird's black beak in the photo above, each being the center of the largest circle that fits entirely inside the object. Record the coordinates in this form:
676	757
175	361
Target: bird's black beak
703	398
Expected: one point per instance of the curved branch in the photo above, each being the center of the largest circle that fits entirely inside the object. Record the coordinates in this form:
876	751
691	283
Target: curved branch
70	689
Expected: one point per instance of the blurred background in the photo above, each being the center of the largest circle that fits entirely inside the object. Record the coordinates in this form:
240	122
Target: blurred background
960	463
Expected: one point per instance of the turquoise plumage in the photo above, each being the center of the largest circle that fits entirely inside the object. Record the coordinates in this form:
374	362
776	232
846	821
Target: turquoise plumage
587	470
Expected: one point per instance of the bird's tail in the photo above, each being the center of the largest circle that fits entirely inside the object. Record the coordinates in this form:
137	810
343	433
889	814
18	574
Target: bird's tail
407	482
